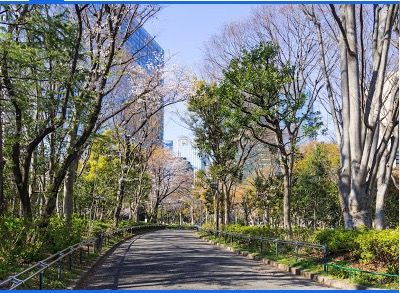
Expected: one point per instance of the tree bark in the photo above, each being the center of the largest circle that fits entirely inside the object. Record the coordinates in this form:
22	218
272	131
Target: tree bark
120	198
287	190
69	193
2	199
383	179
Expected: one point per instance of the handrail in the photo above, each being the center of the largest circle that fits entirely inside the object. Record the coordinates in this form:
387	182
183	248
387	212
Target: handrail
296	244
39	267
276	241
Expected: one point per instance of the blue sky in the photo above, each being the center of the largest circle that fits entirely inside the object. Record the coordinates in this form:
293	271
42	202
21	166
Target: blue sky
182	30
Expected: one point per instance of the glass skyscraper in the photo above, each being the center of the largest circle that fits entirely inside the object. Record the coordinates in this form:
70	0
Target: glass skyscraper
149	55
149	52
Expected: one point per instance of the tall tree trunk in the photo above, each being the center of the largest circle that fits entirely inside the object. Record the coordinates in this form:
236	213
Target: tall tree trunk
120	198
287	190
358	197
344	181
383	179
69	192
2	199
125	162
226	201
154	214
70	176
192	213
216	209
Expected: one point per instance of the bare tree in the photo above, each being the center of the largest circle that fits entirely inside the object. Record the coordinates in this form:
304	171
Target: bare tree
138	126
170	175
366	116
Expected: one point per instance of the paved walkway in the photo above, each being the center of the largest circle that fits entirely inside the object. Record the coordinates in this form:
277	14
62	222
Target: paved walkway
170	259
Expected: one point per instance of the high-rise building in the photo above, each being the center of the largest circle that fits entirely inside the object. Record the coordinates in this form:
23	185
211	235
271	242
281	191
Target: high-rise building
185	148
149	55
149	52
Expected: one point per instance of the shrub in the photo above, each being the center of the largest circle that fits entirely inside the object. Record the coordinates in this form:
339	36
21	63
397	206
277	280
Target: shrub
338	241
264	231
380	247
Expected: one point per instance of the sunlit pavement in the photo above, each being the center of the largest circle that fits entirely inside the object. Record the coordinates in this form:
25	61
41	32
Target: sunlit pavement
172	259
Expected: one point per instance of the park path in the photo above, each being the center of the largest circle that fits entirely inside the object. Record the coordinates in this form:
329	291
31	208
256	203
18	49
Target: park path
176	259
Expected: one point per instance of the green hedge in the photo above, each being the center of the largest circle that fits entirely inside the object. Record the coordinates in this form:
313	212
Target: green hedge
338	241
371	247
380	247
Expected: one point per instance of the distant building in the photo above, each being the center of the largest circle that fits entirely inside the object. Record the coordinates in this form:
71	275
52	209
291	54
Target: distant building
149	55
149	52
185	149
189	166
169	145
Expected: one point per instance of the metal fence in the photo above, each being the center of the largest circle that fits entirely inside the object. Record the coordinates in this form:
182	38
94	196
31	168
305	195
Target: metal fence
352	271
277	243
274	245
78	250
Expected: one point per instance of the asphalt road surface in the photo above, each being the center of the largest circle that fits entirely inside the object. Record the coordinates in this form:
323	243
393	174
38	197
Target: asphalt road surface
172	259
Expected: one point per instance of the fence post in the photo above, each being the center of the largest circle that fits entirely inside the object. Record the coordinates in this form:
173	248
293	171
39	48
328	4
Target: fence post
98	242
70	261
80	254
276	247
296	249
324	260
261	245
59	269
41	277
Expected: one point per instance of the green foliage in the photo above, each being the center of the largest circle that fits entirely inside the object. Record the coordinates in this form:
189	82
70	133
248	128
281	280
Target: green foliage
372	247
26	245
253	85
315	191
368	247
264	231
268	195
217	133
338	241
380	247
12	229
392	203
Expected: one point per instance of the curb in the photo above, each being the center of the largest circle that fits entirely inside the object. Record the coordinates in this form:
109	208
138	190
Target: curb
80	281
75	284
324	280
